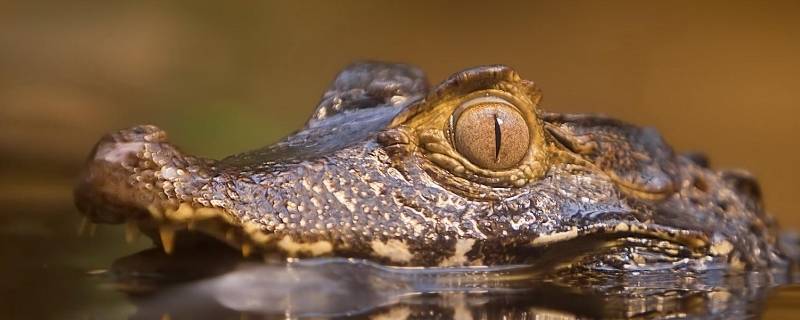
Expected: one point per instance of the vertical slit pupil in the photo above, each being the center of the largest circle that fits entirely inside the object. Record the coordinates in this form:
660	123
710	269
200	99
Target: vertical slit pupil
498	135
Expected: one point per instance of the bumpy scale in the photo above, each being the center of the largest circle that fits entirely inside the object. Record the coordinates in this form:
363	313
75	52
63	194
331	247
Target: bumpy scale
471	173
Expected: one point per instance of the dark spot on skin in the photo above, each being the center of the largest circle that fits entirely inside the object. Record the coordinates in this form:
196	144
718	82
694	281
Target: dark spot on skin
756	229
700	184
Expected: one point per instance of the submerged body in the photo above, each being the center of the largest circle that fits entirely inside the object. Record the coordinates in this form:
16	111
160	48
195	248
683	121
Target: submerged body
471	173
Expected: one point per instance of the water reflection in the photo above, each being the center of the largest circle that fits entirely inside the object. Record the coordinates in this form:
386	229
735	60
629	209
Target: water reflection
52	264
214	284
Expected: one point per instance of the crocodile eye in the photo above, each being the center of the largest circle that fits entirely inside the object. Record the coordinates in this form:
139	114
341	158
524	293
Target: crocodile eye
491	134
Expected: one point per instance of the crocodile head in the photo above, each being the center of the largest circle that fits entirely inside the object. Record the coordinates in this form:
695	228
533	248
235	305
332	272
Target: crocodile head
471	172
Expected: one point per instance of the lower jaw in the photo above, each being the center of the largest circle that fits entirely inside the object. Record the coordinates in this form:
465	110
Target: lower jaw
172	227
172	236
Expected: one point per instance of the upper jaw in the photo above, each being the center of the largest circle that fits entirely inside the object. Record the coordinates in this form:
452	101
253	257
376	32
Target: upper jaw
118	182
136	176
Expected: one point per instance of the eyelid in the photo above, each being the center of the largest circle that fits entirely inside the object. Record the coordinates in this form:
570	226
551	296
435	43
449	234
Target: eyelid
488	99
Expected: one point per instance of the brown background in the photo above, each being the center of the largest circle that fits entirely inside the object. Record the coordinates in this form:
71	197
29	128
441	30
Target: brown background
721	77
225	76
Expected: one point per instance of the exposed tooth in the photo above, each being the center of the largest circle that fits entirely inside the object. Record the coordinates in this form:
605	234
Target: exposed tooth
256	235
261	238
155	212
191	225
184	212
83	226
228	218
97	272
167	238
246	249
92	229
206	213
230	235
131	231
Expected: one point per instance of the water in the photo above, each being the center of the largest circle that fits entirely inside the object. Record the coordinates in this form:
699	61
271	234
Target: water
340	287
52	273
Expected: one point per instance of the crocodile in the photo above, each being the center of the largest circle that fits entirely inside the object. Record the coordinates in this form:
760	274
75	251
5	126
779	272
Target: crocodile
472	172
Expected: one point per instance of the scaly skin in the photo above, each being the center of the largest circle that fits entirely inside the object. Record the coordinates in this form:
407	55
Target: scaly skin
374	174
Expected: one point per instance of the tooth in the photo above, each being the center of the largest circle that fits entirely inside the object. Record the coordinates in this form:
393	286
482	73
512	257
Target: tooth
167	238
166	317
230	219
131	231
155	212
97	272
92	229
82	226
190	225
256	235
206	213
246	249
230	235
184	212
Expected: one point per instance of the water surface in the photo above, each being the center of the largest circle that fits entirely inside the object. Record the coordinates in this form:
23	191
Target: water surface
52	273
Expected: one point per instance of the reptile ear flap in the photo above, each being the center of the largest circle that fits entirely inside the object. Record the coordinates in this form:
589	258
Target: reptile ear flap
368	85
746	186
637	159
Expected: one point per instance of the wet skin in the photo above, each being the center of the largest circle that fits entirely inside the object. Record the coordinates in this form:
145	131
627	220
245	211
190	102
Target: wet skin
471	172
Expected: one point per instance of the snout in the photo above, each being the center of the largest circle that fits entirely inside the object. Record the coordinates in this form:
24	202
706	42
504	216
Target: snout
135	176
121	175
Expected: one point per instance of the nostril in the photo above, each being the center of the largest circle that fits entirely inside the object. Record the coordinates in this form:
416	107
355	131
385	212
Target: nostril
700	183
143	133
117	181
119	146
116	152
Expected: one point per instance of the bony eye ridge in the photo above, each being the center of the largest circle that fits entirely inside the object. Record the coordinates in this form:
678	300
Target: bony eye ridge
490	133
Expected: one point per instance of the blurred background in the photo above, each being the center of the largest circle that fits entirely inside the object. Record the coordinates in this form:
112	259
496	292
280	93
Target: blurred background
719	77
